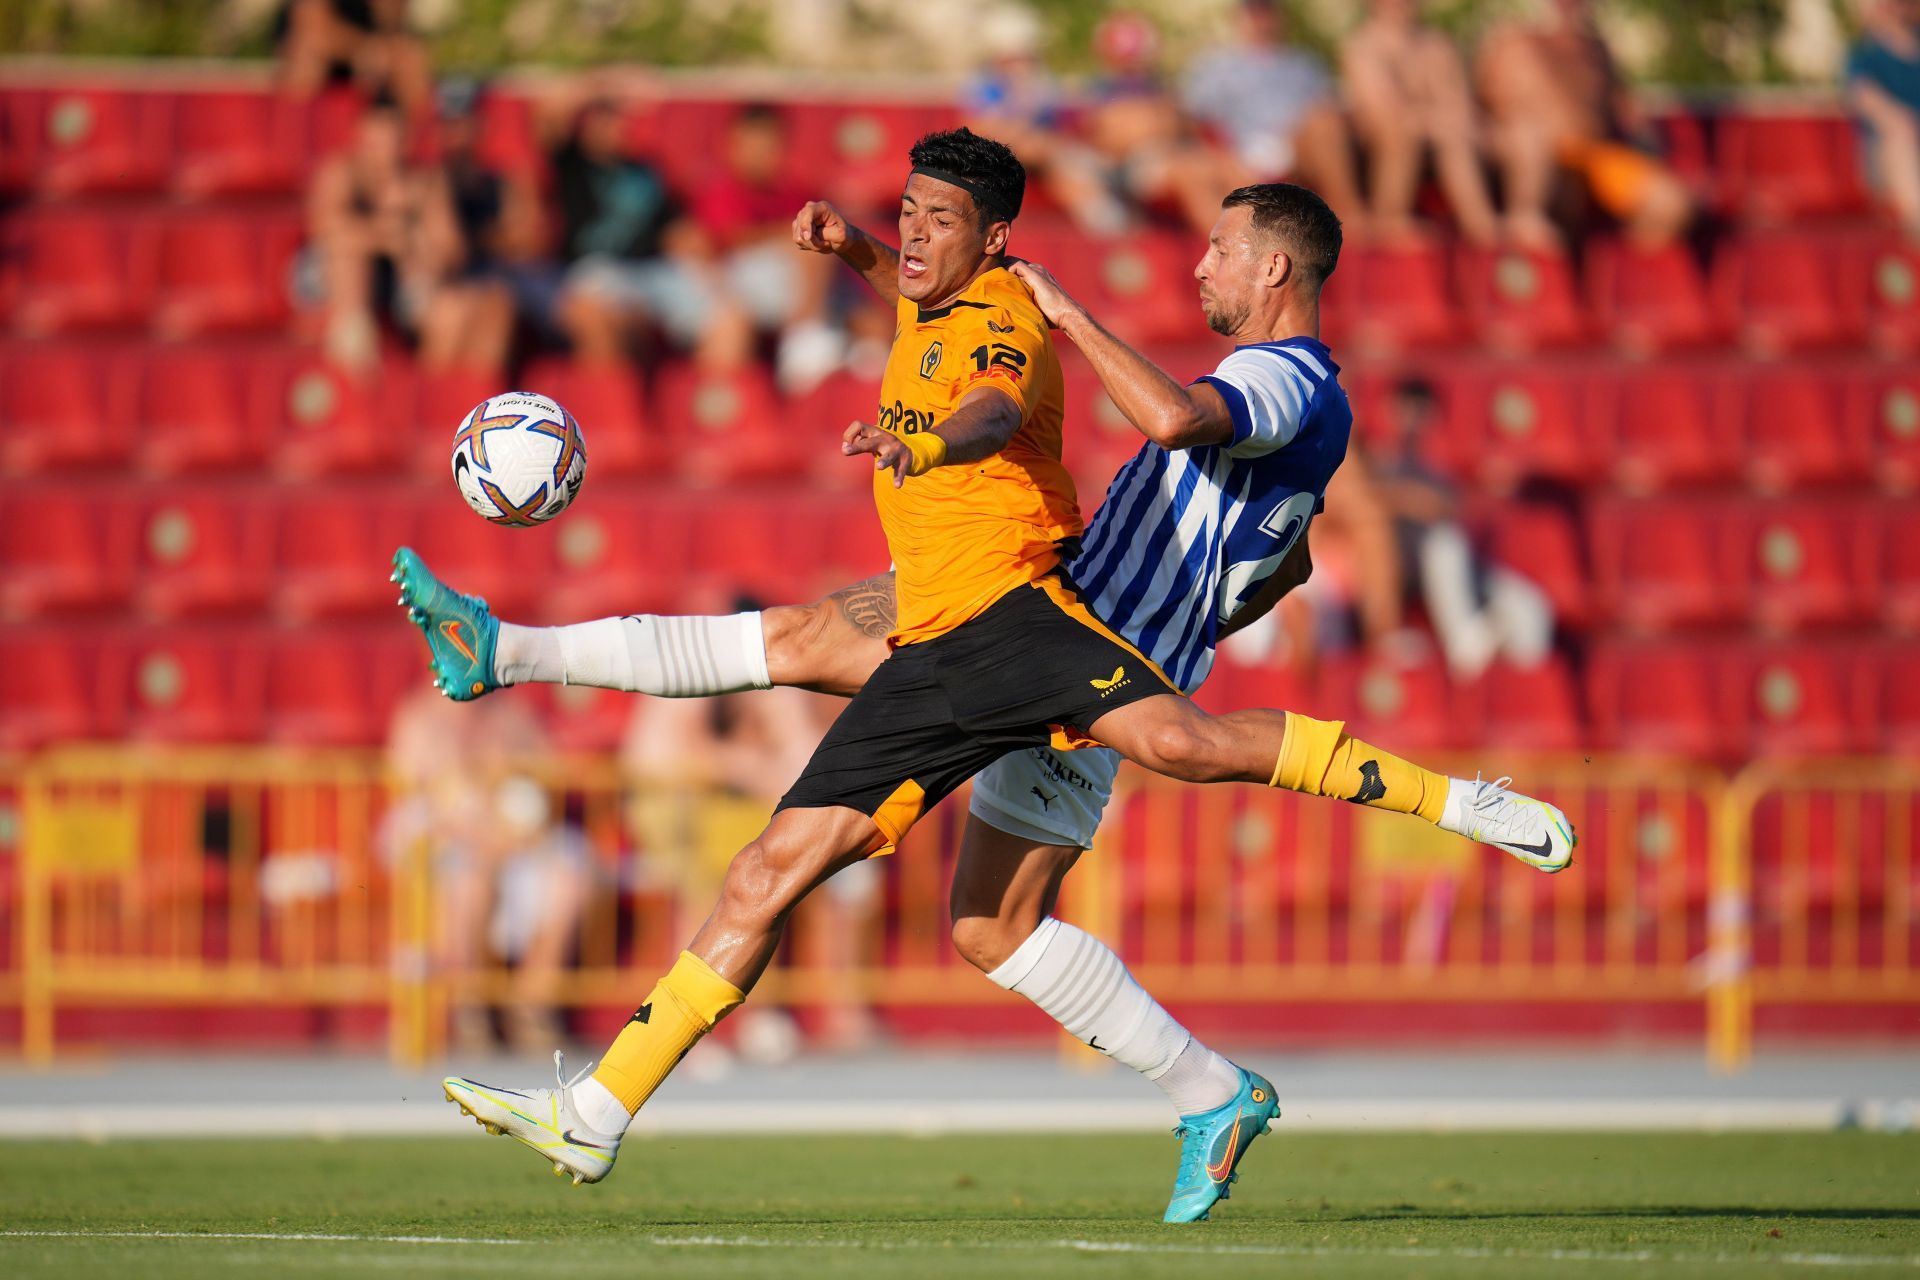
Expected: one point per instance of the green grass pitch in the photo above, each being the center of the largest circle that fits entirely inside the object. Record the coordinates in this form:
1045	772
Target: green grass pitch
1465	1205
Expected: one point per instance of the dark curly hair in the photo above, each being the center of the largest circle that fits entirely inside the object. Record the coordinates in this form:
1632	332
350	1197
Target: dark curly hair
988	170
1299	222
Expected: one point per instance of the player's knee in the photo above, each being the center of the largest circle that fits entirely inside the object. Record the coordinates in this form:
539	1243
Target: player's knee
1181	749
987	941
765	880
792	633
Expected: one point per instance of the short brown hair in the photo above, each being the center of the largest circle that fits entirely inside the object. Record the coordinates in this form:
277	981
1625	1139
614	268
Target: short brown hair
1298	219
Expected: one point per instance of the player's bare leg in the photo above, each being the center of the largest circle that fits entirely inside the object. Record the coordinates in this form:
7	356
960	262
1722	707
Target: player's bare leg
1171	736
1004	890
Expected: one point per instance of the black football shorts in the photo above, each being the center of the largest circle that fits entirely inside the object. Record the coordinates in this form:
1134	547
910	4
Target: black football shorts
1036	667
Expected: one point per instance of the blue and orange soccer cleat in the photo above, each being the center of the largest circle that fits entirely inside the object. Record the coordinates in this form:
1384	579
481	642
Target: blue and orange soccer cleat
459	629
1212	1145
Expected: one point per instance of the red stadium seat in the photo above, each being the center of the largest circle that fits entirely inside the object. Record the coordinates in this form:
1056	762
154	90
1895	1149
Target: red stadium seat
1807	563
610	406
1806	700
636	562
246	143
1399	702
1380	301
1897	566
65	407
95	141
1883	408
65	551
333	549
582	718
1670	425
1776	168
337	689
1798	432
1669	699
206	554
222	273
770	544
818	418
1522	420
723	428
1143	288
1663	563
858	151
508	567
1542	543
1882	279
20	112
1519	301
333	424
1649	300
74	271
1524	708
49	690
199	411
1898	713
194	687
1781	293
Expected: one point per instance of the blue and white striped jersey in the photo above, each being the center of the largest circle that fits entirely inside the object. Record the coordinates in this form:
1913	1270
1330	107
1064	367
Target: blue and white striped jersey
1186	537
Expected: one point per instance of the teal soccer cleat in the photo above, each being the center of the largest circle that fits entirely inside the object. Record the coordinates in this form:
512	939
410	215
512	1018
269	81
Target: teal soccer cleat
459	629
1212	1144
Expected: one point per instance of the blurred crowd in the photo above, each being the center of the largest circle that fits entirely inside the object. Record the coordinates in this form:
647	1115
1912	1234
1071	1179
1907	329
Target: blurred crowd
1529	138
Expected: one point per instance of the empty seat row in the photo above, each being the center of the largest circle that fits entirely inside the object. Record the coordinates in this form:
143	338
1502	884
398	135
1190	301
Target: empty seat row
1682	422
177	274
1714	699
240	408
206	408
319	552
1768	292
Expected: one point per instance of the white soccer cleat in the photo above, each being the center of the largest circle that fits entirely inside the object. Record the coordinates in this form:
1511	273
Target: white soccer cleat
542	1119
1531	830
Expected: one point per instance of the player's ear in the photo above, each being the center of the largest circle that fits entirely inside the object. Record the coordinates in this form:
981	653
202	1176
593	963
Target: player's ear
997	233
1279	269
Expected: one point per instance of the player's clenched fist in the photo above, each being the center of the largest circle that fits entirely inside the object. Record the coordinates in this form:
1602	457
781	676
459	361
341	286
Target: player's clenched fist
913	455
819	227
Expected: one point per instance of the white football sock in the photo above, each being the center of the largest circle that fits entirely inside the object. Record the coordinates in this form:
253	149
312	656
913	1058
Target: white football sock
596	1104
1086	988
669	657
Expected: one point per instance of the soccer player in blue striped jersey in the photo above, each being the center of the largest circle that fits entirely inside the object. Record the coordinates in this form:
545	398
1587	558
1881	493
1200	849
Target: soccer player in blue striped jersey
1201	532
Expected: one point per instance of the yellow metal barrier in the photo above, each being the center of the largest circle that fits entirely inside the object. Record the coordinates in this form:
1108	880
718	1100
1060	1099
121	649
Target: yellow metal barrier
261	877
1819	891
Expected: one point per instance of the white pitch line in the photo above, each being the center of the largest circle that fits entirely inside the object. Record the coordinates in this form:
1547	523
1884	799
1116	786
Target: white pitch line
1397	1253
251	1235
1314	1251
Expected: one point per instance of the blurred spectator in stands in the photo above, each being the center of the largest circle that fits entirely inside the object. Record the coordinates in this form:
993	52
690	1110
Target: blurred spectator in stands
1016	99
706	773
1152	153
510	881
1280	110
480	226
1479	610
748	275
1883	88
363	229
631	256
362	42
1558	106
1411	105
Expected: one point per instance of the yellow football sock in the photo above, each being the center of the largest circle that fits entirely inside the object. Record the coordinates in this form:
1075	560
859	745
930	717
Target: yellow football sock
682	1007
1317	757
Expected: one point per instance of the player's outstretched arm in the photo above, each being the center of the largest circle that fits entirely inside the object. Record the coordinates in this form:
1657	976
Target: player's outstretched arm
1169	414
821	228
979	428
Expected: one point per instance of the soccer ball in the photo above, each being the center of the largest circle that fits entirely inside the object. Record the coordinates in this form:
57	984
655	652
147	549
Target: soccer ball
519	458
